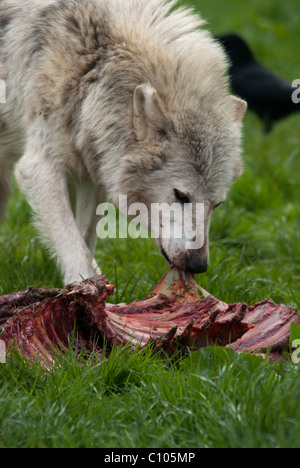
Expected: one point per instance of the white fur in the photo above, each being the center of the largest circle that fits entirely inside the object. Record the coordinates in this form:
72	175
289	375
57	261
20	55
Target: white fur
90	88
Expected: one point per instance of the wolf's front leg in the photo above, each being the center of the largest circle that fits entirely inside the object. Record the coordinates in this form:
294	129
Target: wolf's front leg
87	199
43	182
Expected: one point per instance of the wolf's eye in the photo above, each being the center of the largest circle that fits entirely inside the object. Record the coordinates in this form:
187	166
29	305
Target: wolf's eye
181	197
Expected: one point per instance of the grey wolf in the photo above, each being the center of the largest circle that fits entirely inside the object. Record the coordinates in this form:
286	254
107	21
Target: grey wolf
269	96
114	97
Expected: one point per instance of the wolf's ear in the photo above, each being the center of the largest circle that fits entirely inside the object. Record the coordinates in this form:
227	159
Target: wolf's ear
150	118
240	108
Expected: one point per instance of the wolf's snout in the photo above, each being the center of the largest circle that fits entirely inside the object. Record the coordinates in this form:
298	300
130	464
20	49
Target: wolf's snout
191	263
196	265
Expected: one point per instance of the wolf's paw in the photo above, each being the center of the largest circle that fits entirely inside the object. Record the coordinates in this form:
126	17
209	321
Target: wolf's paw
96	267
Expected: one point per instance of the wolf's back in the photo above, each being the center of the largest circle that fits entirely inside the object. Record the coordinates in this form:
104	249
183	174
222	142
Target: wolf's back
169	41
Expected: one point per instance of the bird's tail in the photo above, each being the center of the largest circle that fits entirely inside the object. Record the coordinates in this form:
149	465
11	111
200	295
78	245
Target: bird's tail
4	190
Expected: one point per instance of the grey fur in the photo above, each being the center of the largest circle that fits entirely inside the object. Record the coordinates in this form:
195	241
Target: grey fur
123	96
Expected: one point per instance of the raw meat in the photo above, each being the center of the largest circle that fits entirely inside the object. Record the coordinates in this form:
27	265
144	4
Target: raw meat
173	317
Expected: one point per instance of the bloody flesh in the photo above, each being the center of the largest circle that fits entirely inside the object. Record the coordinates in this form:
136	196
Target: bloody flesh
173	317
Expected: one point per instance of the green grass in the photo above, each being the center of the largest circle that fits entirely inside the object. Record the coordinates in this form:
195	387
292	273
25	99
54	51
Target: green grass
214	398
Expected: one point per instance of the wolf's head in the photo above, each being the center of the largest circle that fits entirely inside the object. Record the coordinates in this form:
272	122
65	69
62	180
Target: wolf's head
184	157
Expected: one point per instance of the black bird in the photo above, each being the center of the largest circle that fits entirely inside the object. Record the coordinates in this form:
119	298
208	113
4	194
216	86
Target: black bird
267	95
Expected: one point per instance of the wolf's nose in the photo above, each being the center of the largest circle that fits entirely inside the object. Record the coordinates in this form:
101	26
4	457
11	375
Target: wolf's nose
196	265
